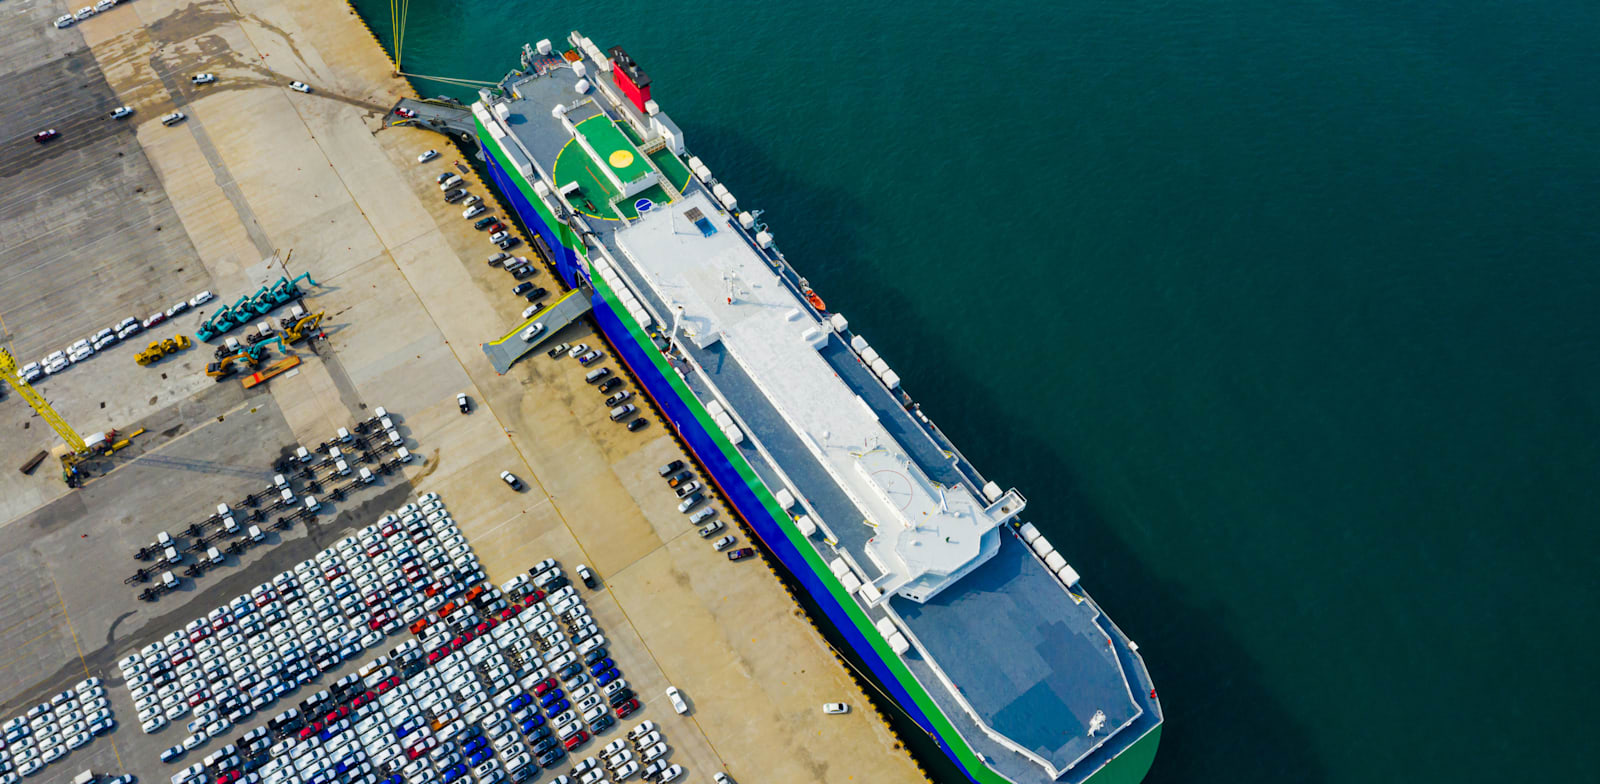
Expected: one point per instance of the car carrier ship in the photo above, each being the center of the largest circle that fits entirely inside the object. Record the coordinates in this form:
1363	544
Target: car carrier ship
967	617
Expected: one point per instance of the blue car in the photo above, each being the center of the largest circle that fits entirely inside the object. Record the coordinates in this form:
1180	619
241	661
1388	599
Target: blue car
569	671
594	656
454	772
480	757
532	724
539	734
521	701
472	731
473	745
601	666
601	724
557	708
403	731
547	700
607	677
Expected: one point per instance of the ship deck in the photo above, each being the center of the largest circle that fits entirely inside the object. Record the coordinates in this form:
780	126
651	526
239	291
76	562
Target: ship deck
1024	656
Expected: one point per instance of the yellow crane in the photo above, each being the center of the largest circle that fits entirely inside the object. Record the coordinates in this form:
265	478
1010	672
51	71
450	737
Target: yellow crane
8	370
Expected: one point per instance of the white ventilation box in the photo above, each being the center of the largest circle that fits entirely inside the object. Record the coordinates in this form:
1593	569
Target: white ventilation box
886	627
870	593
816	337
544	46
803	522
858	343
891	379
838	567
580	69
839	322
714	407
581	87
993	492
728	201
1054	561
1067	575
747	220
850	582
1027	531
898	643
764	239
733	435
1043	547
869	355
784	498
652	108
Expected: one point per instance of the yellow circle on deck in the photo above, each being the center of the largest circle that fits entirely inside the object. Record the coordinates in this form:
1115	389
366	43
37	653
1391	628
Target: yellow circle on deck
620	159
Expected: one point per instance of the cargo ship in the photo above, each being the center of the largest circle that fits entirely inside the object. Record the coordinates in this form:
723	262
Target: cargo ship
969	619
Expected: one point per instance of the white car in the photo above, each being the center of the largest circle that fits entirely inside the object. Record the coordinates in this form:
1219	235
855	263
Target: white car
669	774
533	331
173	119
498	236
65	21
77	741
677	700
121	112
473	211
199	299
835	708
427	156
84	13
203	78
511	479
104	5
300	87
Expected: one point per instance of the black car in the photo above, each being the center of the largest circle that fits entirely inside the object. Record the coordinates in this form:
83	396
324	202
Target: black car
523	271
595	655
535	294
483	223
621	696
637	424
521	288
601	724
609	384
509	243
454	195
740	554
551	757
557	584
670	468
463	404
614	400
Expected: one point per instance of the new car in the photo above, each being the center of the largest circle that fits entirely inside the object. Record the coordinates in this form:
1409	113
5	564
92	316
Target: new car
300	87
121	112
203	78
46	135
427	155
741	554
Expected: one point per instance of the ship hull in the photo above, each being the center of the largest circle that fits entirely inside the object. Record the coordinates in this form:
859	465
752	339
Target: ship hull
751	498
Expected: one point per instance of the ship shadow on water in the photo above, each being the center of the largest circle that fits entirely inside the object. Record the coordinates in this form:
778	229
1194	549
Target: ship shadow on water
1220	719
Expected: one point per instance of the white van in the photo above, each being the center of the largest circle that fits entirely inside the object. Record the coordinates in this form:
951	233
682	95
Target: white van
532	331
312	504
449	182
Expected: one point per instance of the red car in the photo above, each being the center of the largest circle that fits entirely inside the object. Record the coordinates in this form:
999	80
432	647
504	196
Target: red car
44	136
404	112
418	625
627	708
438	653
577	740
337	714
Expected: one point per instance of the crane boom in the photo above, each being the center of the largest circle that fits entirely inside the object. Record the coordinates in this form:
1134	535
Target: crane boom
8	369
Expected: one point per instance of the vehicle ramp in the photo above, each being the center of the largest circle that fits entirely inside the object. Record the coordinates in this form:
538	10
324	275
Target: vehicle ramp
567	308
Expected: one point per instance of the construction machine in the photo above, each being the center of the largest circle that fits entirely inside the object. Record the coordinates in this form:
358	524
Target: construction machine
228	365
298	328
161	348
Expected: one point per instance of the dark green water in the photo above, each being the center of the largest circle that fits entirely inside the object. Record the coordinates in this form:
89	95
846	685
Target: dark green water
1282	315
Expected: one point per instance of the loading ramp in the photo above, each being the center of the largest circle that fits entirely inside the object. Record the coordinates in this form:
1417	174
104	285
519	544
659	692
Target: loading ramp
567	308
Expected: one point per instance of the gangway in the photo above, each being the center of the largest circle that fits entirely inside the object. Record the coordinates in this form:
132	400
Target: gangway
569	307
446	116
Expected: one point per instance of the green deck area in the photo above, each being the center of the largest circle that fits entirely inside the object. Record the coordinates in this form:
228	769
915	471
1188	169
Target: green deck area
614	148
675	170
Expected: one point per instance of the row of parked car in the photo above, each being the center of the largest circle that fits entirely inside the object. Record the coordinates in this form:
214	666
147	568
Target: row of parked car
691	494
85	348
281	635
67	20
53	729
